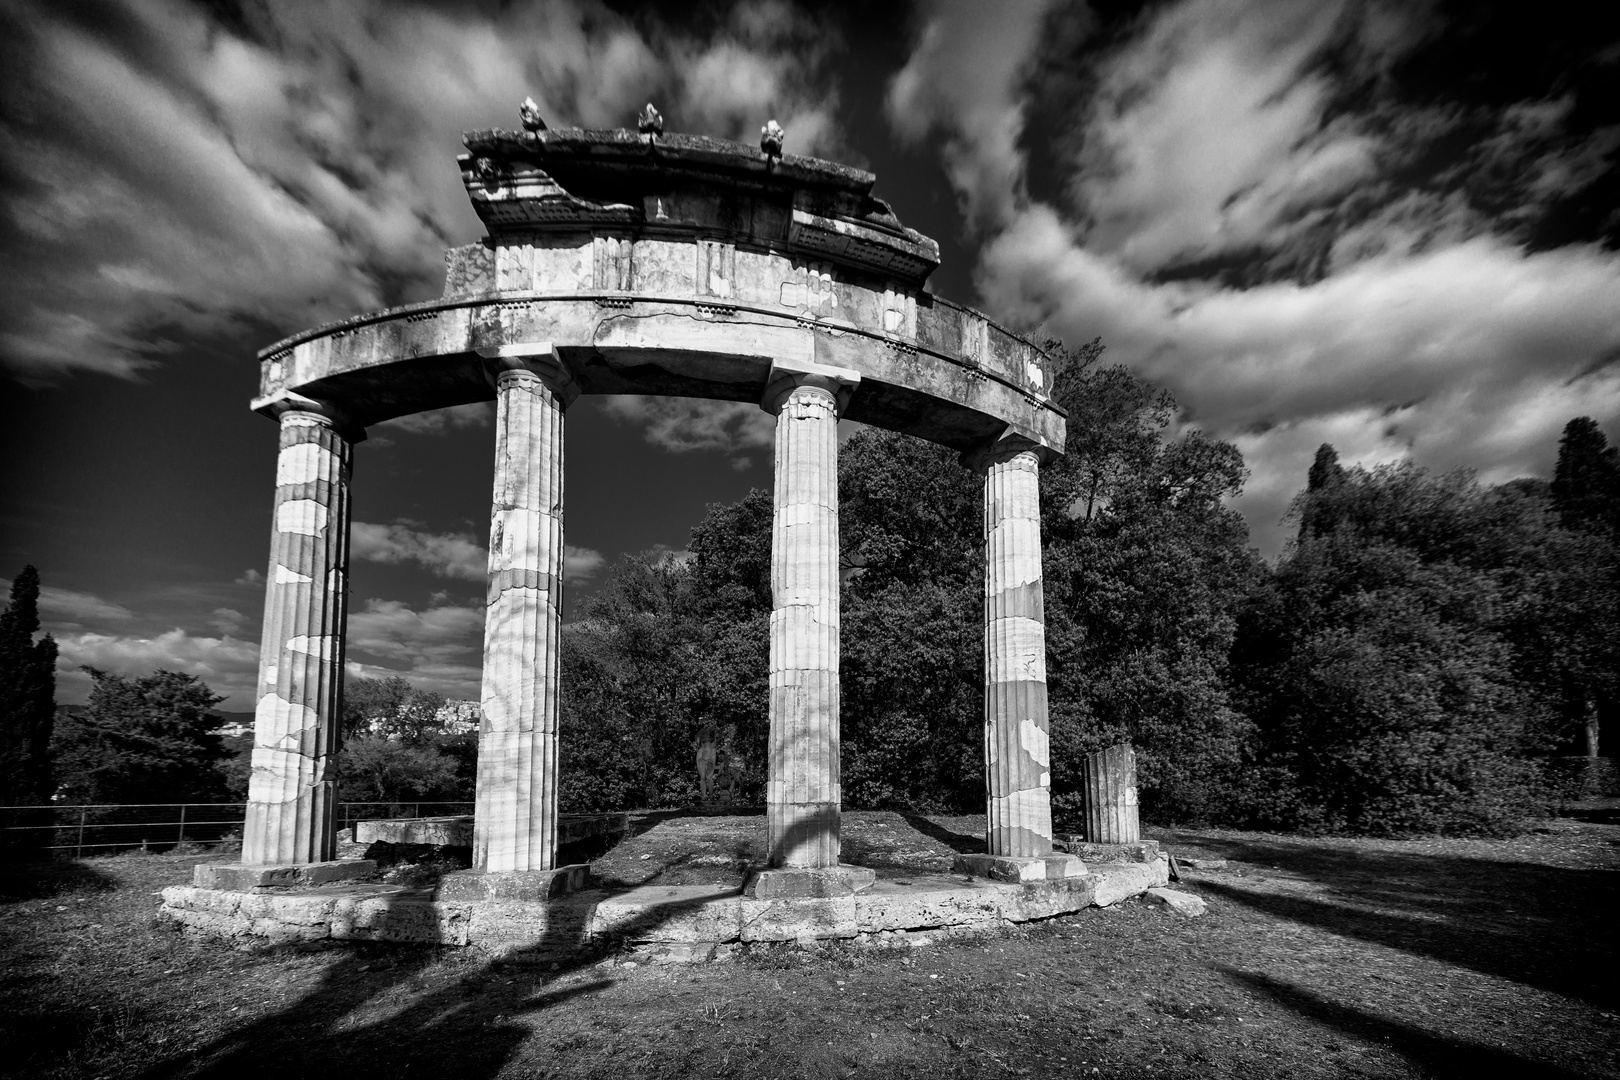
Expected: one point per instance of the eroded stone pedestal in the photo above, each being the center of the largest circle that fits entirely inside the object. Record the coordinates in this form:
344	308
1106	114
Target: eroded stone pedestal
808	881
1020	868
514	885
240	876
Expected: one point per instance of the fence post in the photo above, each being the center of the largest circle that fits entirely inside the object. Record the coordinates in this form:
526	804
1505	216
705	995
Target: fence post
78	851
182	837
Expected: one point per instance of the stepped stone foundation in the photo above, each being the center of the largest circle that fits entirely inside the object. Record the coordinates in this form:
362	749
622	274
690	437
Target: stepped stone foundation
640	262
673	921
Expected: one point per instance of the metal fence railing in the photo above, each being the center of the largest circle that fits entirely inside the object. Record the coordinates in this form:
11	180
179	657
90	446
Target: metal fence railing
105	828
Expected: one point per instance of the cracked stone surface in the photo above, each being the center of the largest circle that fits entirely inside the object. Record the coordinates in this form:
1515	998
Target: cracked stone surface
292	788
515	812
1017	748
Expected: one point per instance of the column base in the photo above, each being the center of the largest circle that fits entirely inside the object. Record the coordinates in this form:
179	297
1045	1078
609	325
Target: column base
1017	868
513	884
238	877
791	882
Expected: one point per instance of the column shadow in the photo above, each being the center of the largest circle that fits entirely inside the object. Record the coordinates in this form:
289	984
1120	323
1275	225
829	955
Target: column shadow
1437	1055
469	1028
1544	926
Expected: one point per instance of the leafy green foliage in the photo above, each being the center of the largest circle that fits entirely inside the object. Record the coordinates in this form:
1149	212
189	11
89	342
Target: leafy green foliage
145	740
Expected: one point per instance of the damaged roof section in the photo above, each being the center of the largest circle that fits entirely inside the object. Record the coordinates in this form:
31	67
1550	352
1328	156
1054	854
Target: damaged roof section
562	179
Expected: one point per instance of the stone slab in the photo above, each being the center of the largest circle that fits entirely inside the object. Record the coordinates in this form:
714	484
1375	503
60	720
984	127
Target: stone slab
514	884
1184	904
796	882
238	877
456	830
1195	863
692	917
1139	851
1013	868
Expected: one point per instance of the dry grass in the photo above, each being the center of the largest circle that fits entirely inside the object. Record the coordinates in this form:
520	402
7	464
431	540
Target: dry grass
1319	958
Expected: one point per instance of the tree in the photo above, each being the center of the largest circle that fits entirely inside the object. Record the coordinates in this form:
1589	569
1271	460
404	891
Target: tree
1379	668
391	707
146	740
27	707
27	697
375	768
1586	481
1144	569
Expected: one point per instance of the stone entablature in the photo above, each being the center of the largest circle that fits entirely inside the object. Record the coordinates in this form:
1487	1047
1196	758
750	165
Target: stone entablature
721	263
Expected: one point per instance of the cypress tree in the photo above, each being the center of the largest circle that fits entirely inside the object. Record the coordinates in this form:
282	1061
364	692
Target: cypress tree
1586	483
27	707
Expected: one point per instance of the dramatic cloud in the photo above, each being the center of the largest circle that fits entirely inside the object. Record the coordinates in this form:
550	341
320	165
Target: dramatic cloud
227	664
170	176
450	555
962	80
683	425
447	555
439	648
478	414
1269	236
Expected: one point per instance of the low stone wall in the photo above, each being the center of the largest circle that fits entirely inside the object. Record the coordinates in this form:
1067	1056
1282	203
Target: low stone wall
684	916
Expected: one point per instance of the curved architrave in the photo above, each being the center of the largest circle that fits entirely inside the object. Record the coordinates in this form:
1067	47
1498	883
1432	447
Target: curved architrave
425	356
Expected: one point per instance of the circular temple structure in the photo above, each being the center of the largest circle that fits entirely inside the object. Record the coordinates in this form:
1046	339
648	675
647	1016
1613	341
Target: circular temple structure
634	262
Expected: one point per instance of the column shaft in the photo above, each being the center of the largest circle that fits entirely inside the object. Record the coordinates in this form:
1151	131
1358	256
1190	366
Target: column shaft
1017	754
802	791
515	819
292	791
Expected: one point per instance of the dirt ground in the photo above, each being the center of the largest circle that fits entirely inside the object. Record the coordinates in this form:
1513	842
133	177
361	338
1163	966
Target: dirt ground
1318	958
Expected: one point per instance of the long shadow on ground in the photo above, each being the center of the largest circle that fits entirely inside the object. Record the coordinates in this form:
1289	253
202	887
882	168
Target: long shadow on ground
1544	926
470	1027
1436	1054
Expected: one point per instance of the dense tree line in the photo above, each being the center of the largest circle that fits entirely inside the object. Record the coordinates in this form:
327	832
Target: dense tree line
1417	654
1408	665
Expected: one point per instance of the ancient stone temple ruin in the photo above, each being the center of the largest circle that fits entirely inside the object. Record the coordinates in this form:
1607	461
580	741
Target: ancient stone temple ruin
646	262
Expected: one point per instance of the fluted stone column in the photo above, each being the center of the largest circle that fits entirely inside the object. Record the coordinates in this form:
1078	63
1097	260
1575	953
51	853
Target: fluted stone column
802	794
515	819
1017	754
293	788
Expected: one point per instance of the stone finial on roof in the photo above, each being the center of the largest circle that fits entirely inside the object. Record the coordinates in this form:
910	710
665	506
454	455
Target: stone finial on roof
650	122
770	139
530	112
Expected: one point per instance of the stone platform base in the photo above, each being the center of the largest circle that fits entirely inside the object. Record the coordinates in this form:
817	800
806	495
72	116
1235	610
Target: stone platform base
809	882
675	921
456	830
514	885
1136	851
1019	868
238	876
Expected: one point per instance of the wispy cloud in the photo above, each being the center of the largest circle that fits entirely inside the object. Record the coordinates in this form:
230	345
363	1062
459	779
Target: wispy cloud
227	664
1294	250
446	555
296	164
684	425
457	556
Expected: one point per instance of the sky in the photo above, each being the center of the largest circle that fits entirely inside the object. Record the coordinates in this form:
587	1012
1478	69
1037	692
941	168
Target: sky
1394	227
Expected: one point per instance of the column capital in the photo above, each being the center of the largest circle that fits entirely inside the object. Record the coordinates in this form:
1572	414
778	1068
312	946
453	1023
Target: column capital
1006	446
788	375
286	403
538	358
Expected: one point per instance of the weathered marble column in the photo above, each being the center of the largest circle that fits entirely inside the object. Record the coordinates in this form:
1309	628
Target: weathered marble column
515	819
802	793
296	729
1017	754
